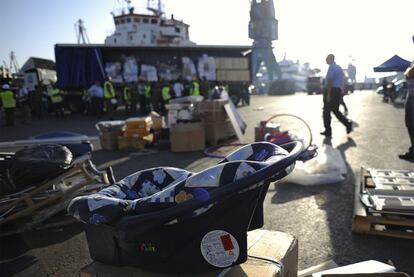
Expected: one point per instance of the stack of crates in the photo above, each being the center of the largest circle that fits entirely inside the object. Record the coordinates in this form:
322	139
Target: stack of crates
137	133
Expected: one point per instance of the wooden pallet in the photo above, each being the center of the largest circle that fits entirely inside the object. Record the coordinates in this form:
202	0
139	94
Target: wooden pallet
366	221
26	209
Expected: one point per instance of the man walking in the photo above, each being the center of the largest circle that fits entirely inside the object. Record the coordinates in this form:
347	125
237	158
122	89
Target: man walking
332	97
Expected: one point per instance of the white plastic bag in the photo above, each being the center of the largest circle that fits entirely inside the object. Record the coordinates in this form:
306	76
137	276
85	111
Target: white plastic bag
327	168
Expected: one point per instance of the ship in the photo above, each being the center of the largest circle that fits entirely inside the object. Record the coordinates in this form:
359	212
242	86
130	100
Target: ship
295	73
152	28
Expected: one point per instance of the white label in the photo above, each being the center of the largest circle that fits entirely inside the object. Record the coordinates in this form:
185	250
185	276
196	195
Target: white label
219	248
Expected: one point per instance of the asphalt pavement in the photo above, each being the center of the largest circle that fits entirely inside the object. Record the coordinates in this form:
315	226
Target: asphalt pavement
320	216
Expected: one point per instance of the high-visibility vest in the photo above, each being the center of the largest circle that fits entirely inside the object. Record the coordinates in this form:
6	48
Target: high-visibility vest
7	98
195	90
147	91
55	96
166	93
109	91
127	94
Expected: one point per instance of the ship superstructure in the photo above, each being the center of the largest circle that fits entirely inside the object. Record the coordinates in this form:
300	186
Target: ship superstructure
148	29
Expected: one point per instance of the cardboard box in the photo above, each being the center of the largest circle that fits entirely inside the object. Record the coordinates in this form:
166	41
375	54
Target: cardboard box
138	143
138	123
266	249
139	132
216	131
232	63
271	127
157	121
233	75
187	137
212	110
109	140
179	111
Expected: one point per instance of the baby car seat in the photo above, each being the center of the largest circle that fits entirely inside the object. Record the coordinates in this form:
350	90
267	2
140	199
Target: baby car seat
170	220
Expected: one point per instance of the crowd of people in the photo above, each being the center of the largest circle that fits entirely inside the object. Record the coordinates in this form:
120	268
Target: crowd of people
139	97
100	99
38	102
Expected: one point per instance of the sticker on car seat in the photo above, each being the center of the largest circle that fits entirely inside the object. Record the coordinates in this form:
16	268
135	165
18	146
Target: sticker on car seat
219	248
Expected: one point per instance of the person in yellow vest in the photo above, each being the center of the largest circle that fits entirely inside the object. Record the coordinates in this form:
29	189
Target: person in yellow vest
127	98
56	96
8	103
110	97
166	95
204	87
147	93
195	88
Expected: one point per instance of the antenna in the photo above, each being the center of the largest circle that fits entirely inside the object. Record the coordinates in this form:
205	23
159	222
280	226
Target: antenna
80	31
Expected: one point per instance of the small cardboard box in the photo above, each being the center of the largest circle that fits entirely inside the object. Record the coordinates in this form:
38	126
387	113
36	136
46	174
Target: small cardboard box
187	137
109	140
157	121
259	131
267	250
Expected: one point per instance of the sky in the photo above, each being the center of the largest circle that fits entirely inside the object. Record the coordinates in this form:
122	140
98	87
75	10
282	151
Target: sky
364	32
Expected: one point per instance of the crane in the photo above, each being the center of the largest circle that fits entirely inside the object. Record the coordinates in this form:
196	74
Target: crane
80	31
14	65
263	29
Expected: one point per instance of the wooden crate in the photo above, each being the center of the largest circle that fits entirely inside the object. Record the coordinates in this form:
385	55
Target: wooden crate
374	223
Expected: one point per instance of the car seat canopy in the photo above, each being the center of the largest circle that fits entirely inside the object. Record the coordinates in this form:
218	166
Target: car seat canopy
161	188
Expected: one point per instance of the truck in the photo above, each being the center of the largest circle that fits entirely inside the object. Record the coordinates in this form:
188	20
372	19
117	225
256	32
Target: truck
78	66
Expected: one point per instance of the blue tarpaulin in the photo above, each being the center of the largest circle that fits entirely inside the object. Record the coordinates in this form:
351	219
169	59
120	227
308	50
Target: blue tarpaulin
396	63
78	68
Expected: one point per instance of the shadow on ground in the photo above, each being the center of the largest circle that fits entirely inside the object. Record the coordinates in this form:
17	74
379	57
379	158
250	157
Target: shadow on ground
13	254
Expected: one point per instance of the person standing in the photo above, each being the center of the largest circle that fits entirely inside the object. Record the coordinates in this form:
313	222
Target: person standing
142	96
178	88
127	99
97	98
56	96
147	92
22	99
204	87
9	104
409	112
385	90
195	88
110	100
37	102
332	97
166	96
134	97
156	100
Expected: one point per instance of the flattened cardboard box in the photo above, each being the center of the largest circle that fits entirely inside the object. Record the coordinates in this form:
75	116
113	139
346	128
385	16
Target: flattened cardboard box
264	247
